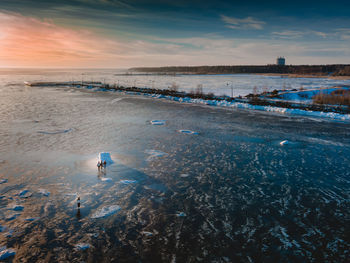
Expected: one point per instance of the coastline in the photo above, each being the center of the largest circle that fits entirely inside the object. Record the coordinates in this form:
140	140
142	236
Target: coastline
252	101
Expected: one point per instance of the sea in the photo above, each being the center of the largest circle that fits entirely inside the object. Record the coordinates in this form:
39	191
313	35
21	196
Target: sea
183	182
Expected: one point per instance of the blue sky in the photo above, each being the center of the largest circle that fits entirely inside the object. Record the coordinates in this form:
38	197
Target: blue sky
115	33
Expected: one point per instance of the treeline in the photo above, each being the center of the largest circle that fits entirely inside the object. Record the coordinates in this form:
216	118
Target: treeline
334	70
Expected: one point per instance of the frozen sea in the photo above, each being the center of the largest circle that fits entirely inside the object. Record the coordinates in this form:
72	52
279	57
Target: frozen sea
209	184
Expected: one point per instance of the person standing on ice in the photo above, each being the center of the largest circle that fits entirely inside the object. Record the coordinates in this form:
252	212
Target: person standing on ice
99	165
104	163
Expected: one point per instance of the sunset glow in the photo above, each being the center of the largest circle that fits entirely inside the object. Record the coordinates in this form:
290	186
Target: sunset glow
116	34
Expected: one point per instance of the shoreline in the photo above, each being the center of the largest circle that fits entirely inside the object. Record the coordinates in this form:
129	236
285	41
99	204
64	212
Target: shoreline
251	101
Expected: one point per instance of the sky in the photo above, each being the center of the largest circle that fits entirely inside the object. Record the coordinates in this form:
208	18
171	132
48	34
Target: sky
134	33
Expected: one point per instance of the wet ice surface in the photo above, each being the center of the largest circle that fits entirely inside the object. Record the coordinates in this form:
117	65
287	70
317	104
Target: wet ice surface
232	193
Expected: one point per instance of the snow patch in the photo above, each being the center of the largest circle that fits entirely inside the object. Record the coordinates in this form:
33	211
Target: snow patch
106	211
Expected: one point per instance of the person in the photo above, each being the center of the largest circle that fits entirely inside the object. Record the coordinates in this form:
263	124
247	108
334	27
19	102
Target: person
98	165
104	163
101	164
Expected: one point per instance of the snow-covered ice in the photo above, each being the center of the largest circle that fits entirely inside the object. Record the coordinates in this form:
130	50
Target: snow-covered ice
106	211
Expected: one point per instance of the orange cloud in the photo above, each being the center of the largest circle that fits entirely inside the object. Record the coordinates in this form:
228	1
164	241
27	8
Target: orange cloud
27	41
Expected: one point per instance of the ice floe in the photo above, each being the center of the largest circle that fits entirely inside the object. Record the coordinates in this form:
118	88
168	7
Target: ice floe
157	187
154	154
106	179
82	246
181	214
158	122
2	181
106	211
128	181
30	219
146	233
11	217
18	208
184	175
55	132
105	156
44	192
25	194
6	252
188	132
285	142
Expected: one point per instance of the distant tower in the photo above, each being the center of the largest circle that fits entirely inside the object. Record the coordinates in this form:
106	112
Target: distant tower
281	61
